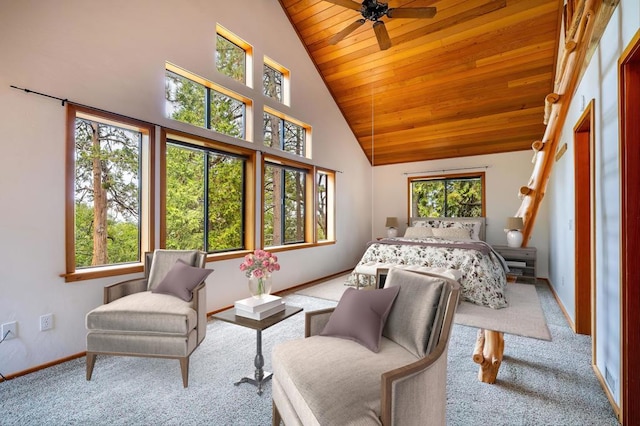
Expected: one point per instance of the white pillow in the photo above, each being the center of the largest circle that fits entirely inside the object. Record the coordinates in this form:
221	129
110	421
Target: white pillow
452	233
473	226
418	232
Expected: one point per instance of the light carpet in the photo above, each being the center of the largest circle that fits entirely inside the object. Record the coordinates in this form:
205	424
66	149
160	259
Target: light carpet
540	382
523	316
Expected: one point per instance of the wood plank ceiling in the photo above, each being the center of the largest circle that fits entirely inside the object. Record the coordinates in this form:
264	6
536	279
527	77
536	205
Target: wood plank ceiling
470	81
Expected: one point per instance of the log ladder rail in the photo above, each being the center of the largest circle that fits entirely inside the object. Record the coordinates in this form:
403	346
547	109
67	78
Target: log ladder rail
584	21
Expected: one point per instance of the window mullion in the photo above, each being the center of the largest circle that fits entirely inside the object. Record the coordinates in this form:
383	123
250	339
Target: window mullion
206	201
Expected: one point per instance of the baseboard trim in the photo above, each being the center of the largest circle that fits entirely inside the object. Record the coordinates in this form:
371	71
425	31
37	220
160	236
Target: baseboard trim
560	304
42	366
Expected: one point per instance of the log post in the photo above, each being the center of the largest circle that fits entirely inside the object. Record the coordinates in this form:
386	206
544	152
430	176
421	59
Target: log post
488	352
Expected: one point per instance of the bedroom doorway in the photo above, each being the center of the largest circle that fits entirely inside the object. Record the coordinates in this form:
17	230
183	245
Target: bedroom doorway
629	89
584	150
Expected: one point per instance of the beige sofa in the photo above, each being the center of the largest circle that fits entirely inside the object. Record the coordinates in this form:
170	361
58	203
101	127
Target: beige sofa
326	380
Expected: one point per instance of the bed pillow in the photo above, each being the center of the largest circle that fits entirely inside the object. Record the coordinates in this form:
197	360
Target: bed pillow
473	226
361	315
418	232
452	233
181	279
430	223
415	310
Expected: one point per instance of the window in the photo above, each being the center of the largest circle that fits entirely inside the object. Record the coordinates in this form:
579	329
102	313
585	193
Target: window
206	196
108	191
233	56
196	101
286	188
325	213
275	81
285	133
447	196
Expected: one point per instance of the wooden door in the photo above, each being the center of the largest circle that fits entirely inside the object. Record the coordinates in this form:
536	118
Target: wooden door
584	221
630	229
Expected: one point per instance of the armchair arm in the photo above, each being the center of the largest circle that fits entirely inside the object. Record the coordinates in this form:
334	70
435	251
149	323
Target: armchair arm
124	288
406	390
200	305
314	321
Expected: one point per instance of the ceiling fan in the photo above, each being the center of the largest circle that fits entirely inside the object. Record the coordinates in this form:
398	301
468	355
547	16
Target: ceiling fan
373	10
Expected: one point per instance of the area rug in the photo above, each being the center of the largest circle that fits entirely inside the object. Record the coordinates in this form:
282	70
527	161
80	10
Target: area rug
523	317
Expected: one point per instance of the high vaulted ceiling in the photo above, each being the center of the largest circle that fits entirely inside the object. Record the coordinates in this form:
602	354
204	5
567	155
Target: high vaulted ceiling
470	81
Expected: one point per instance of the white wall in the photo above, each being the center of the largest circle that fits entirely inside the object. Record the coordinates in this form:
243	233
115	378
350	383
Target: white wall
504	175
111	55
600	83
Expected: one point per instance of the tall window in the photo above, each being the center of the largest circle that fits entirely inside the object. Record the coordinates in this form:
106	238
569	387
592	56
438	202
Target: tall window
447	196
285	204
193	100
275	81
108	206
205	198
325	212
286	134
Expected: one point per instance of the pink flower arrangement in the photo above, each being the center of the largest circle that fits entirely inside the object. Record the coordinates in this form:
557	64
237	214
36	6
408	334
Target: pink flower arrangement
259	263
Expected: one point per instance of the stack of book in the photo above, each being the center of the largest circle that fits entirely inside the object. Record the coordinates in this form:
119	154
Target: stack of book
259	309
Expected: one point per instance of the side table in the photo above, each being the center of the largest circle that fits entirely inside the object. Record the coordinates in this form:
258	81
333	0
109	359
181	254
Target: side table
260	376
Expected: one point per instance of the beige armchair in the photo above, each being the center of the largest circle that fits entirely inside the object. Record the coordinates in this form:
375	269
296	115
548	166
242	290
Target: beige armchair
160	315
323	380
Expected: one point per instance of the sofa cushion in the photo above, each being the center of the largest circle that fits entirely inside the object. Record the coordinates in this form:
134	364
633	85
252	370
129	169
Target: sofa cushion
181	279
410	323
144	312
162	262
335	381
360	316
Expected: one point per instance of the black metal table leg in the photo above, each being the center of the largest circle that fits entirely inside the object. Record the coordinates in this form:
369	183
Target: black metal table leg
260	376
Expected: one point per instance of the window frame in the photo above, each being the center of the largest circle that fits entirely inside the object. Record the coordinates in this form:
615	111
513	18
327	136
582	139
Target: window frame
249	186
287	118
331	206
146	196
446	177
286	80
309	208
248	54
210	86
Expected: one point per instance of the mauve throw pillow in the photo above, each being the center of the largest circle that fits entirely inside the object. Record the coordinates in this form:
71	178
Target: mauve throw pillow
181	279
360	316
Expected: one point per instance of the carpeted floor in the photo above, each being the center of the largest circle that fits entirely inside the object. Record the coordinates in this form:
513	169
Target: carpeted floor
540	382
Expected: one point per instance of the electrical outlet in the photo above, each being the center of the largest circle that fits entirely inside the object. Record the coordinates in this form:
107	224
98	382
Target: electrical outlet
46	322
11	328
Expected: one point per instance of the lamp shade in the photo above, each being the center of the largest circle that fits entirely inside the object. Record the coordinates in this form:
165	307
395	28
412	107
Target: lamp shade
514	223
392	222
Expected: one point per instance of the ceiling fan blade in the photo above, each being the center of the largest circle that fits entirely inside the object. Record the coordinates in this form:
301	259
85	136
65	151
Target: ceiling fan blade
348	30
412	12
382	35
346	3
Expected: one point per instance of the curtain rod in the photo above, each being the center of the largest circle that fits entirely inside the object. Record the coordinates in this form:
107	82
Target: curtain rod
446	170
65	100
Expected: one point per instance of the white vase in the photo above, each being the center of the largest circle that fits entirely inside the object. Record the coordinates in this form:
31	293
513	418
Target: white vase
260	287
514	238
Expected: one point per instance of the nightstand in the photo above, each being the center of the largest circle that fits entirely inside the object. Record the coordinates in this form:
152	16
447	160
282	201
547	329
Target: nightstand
521	262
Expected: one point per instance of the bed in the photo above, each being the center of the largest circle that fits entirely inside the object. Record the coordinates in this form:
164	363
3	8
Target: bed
445	243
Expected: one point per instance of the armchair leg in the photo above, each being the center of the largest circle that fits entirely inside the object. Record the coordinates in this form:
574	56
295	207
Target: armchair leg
91	361
184	367
276	419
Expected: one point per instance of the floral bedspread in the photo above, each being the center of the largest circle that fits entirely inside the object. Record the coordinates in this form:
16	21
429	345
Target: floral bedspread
483	275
